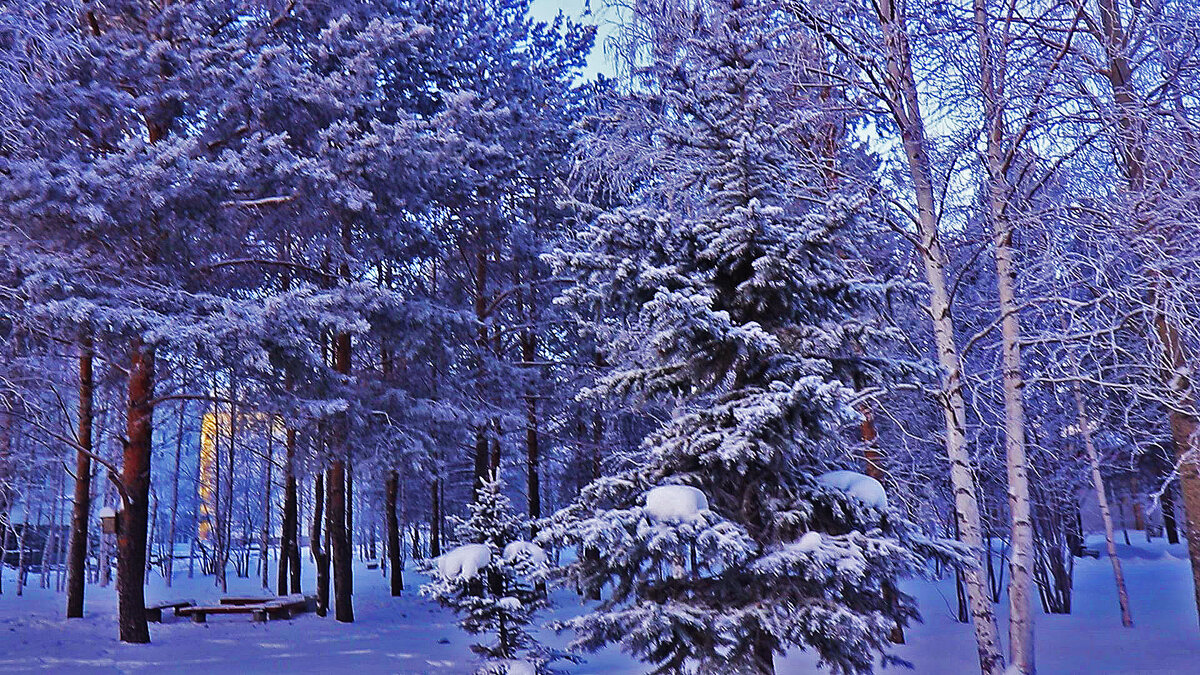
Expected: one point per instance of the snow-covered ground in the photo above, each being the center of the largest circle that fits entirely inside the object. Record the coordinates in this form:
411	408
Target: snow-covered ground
413	635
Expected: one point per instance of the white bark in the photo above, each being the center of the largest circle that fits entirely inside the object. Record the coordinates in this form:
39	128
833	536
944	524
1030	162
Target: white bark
907	114
1105	514
993	62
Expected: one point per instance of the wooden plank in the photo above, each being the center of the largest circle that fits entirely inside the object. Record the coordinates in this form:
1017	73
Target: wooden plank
154	611
246	600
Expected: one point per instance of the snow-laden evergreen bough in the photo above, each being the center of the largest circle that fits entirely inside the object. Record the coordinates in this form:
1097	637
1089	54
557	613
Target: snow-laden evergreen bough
726	298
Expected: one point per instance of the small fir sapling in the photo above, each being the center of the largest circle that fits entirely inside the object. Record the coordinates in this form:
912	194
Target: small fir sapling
491	581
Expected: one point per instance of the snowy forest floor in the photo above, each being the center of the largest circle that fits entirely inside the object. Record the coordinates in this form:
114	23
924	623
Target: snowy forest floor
413	635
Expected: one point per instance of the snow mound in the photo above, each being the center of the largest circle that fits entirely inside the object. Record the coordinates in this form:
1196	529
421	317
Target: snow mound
860	486
518	548
681	503
514	667
810	542
465	561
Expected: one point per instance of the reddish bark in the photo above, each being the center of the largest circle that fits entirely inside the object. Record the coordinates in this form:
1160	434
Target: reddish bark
135	495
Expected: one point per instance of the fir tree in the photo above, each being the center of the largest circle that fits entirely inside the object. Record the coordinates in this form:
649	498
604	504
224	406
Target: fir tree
726	296
490	580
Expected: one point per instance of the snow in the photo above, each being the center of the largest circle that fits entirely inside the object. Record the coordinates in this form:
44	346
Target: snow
412	635
465	561
675	503
810	542
860	486
514	667
518	548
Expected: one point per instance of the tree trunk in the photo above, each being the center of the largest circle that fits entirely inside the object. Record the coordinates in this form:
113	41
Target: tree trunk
435	519
83	486
135	496
393	533
482	459
1021	558
1183	430
219	515
532	451
350	512
230	473
289	540
265	547
170	568
320	557
1105	514
1168	514
1132	141
907	114
339	540
338	543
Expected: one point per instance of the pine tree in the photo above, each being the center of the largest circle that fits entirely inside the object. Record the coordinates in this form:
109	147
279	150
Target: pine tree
727	301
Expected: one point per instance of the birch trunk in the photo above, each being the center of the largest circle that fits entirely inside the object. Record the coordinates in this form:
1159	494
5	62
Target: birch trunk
993	64
907	115
1105	513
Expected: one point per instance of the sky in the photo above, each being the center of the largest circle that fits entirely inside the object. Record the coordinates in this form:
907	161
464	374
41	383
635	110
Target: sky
595	12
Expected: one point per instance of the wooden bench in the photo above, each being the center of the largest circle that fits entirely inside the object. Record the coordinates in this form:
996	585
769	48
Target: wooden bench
154	612
259	609
200	614
289	606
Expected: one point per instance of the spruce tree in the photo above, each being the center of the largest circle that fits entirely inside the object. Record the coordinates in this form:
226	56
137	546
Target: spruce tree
727	300
490	580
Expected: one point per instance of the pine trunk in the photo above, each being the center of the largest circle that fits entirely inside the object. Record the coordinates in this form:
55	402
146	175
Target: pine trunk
1183	431
435	519
339	545
1170	527
320	556
337	512
289	540
170	568
265	538
77	562
135	495
393	533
